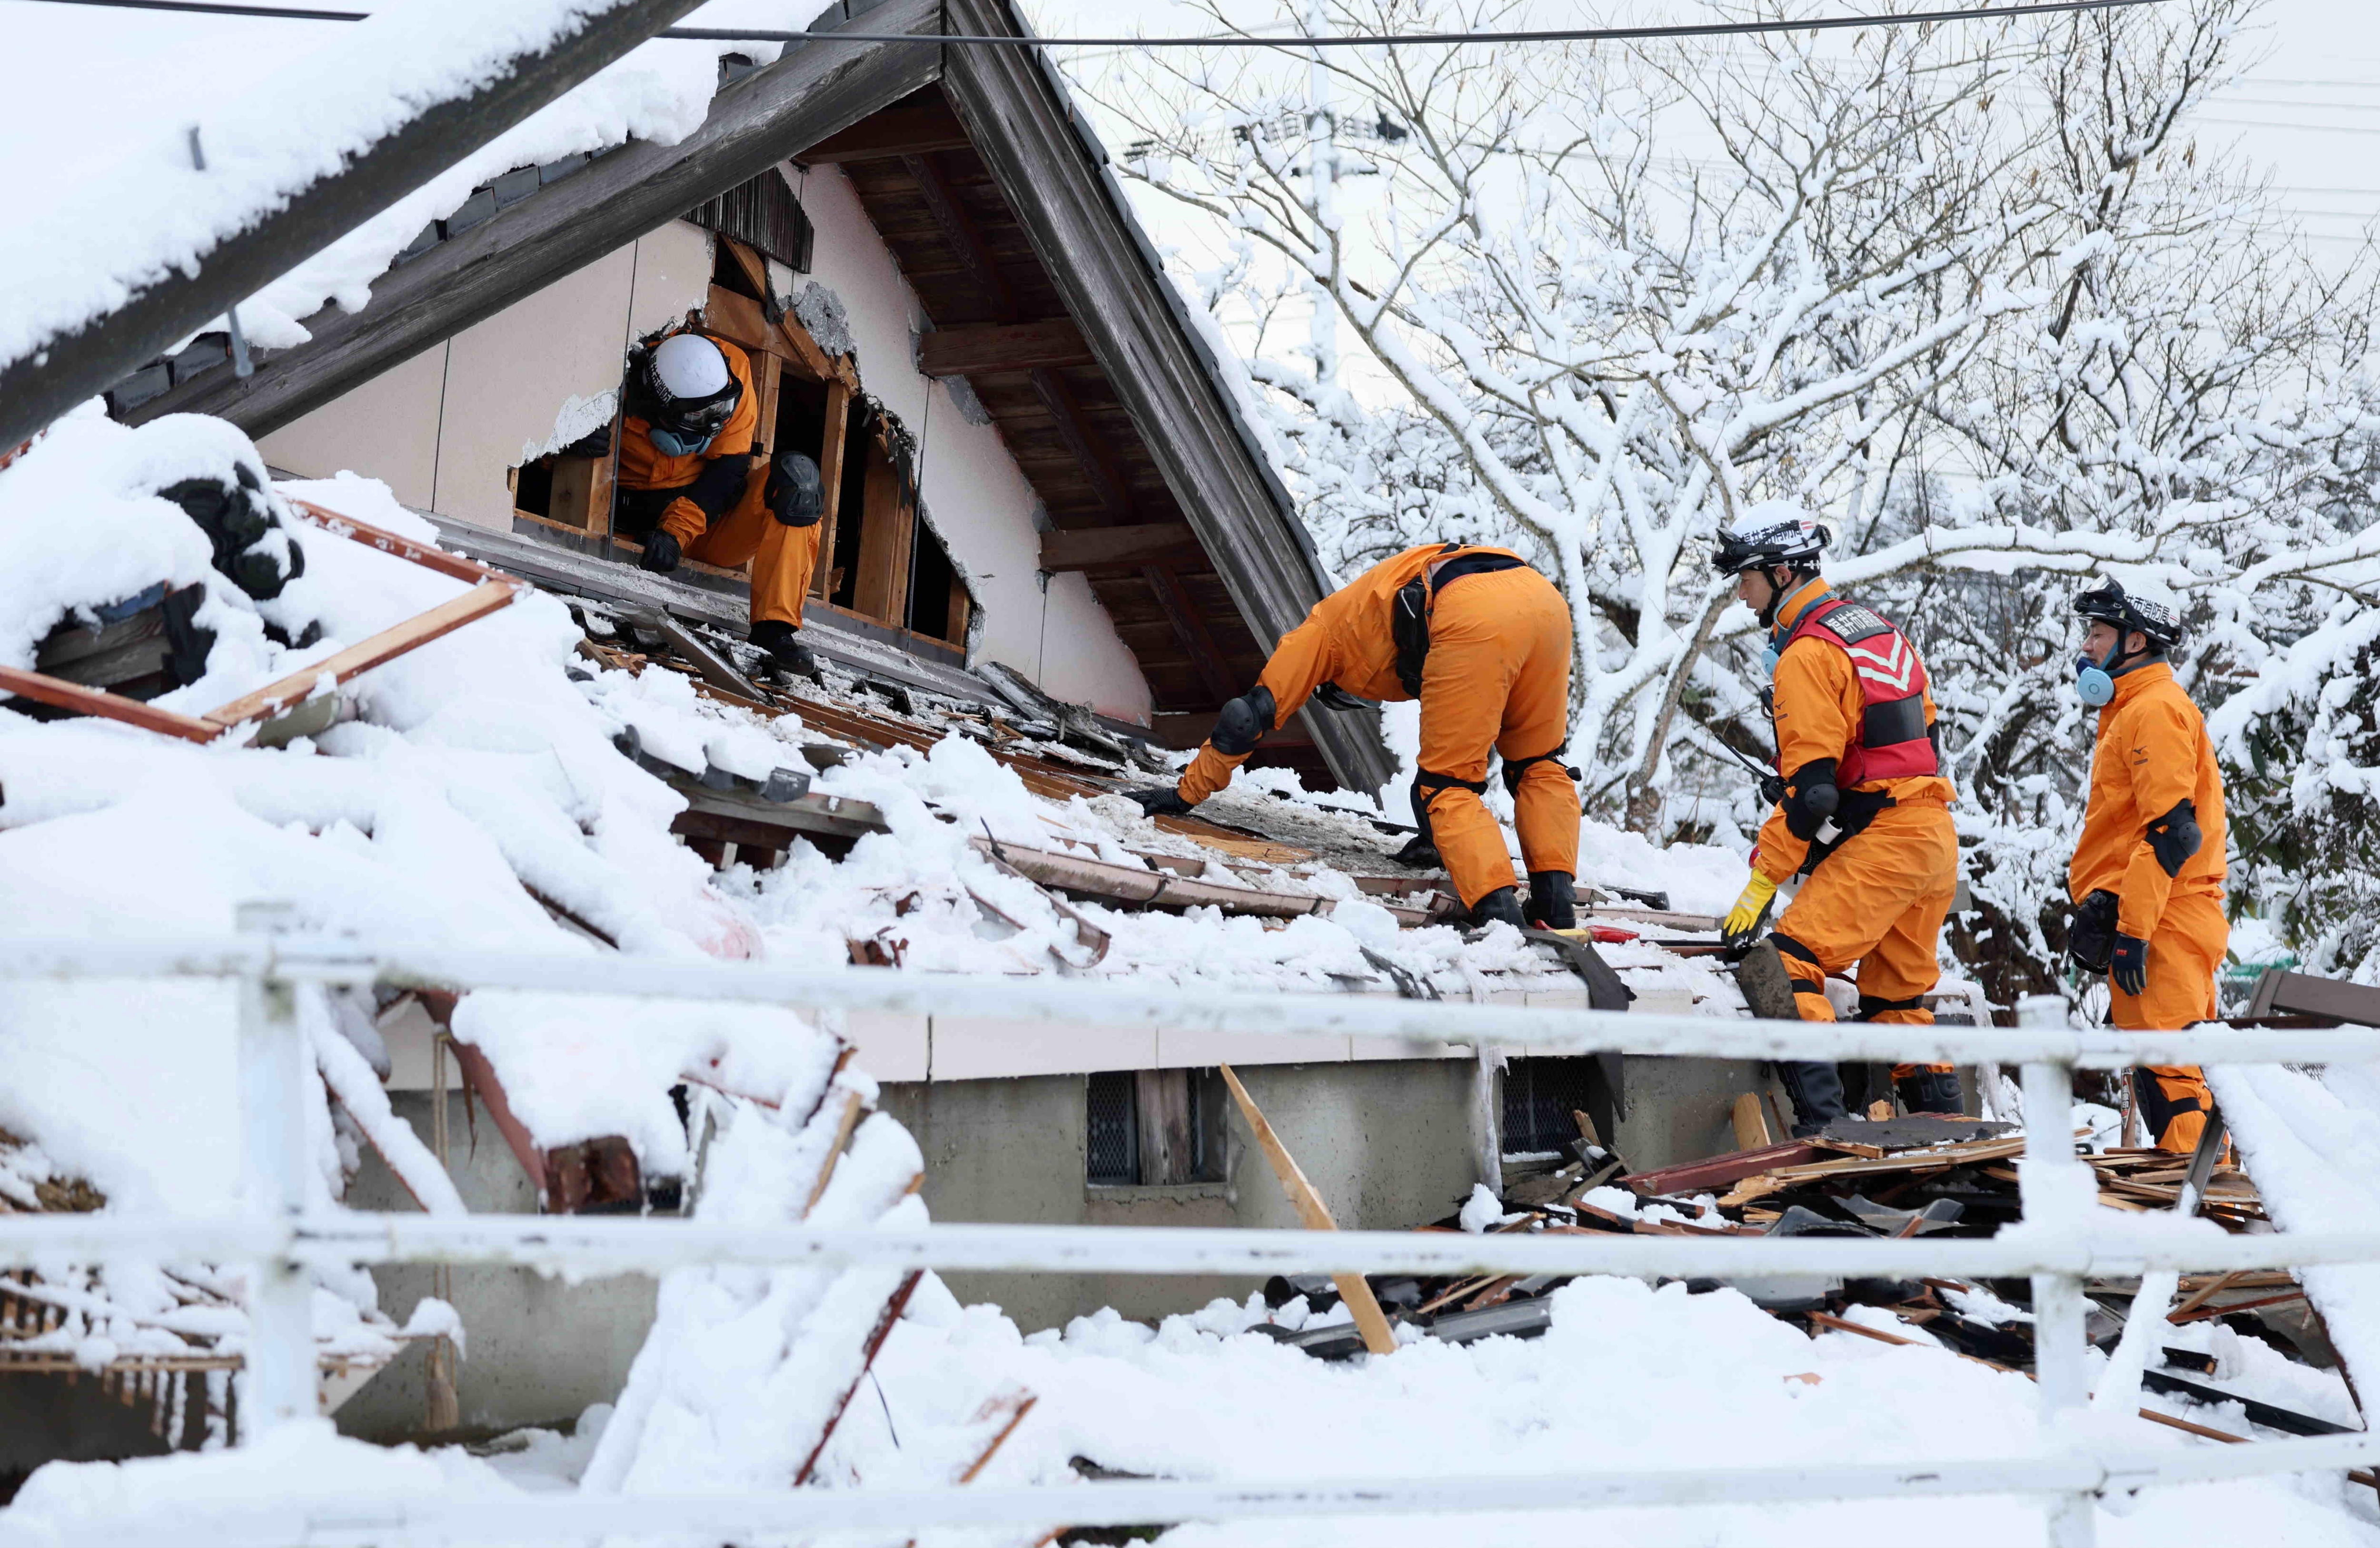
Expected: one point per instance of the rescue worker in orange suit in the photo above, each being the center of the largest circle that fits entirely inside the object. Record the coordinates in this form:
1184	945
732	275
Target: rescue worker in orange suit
1484	642
690	488
1861	808
2147	875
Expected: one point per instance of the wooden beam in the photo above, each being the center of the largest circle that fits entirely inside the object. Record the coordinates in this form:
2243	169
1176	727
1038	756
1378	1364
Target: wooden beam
814	90
887	522
61	694
830	454
959	230
388	543
909	129
1190	630
976	347
1143	543
1354	1288
386	646
1107	479
786	337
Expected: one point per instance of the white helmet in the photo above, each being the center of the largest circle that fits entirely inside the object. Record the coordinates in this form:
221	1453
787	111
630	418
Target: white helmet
689	367
684	392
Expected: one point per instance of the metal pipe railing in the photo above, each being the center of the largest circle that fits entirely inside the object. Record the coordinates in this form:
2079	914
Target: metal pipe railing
2056	1245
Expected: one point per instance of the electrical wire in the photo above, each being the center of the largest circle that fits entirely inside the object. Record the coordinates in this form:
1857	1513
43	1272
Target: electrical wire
1569	34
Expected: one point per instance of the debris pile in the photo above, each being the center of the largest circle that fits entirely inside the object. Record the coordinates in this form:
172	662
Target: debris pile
1907	1177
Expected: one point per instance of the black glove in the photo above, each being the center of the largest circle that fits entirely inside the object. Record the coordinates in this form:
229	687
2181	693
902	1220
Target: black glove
2129	966
662	552
2091	932
1160	801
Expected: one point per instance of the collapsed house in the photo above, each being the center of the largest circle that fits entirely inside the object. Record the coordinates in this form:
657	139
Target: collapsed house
1055	548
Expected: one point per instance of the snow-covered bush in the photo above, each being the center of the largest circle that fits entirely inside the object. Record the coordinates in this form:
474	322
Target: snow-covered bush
1977	295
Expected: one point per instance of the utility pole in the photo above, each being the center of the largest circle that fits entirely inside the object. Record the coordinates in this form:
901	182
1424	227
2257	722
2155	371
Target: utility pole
1322	170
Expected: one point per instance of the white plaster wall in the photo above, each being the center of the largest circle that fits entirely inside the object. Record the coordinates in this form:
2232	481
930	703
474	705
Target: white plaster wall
981	506
387	428
443	428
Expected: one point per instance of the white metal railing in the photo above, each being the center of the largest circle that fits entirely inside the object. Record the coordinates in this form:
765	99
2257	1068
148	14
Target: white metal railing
2057	1250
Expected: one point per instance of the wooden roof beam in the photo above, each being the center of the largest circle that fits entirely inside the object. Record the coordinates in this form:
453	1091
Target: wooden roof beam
979	346
960	231
908	129
1148	542
754	123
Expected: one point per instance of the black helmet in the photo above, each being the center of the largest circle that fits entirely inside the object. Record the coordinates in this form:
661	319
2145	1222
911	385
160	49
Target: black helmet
2108	603
1770	534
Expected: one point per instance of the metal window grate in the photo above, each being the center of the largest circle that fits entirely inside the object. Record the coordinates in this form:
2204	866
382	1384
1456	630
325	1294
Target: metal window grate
763	215
1539	1097
1113	1150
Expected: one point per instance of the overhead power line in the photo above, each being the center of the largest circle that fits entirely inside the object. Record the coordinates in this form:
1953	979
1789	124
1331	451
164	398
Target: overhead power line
1566	34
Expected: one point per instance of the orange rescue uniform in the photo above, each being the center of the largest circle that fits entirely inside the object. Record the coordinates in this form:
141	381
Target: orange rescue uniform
1496	678
2153	754
782	557
1880	897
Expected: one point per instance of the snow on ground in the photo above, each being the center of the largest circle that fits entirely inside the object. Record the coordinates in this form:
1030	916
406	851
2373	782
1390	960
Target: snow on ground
1630	1377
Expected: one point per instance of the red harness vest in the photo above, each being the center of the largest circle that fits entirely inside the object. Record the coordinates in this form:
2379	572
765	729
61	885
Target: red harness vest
1892	743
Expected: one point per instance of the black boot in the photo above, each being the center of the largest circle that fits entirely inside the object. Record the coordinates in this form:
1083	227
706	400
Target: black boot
1553	902
1816	1087
1929	1090
780	639
1504	904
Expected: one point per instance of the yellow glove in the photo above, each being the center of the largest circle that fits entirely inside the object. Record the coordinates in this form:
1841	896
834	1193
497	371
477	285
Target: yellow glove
1750	912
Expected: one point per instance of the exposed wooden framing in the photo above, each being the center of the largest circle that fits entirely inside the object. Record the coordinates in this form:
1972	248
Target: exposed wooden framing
1314	1214
390	543
361	657
56	691
903	129
740	319
1113	289
787	335
830	455
966	242
1147	543
888	523
980	346
1162	1100
814	90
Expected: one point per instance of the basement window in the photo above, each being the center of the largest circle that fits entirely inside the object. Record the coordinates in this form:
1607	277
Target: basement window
1540	1095
1153	1128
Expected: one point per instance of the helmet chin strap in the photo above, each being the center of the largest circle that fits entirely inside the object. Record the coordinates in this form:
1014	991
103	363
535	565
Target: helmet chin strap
1777	595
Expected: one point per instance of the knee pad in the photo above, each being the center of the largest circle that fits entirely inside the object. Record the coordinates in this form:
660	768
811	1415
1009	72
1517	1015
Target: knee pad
1243	722
1517	769
795	494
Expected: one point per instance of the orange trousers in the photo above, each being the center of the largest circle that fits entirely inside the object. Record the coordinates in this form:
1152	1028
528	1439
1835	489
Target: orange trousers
1498	679
2184	952
782	557
1880	901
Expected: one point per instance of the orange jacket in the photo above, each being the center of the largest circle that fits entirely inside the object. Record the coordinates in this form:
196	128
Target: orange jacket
1344	639
2153	754
643	466
1819	711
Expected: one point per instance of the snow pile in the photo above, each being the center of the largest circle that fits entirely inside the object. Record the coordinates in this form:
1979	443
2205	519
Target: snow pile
2311	1138
276	104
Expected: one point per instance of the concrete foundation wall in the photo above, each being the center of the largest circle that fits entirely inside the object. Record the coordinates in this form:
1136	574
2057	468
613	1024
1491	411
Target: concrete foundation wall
1390	1144
538	1350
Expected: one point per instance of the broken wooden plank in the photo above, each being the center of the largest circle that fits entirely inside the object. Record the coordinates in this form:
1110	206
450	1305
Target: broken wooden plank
1354	1288
1697	1176
772	823
61	694
1751	1124
382	648
426	555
